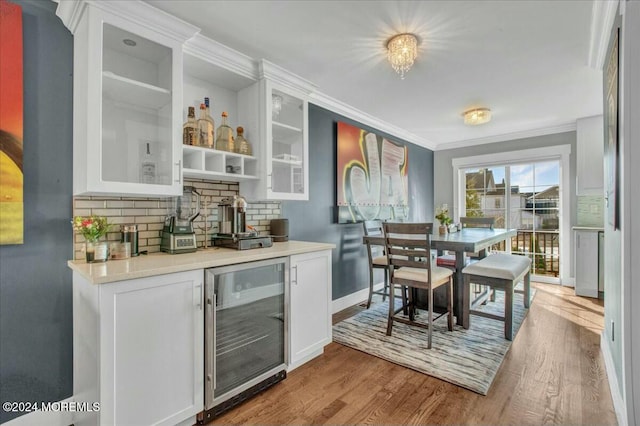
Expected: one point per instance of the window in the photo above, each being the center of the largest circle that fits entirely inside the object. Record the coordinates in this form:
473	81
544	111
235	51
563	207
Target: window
522	194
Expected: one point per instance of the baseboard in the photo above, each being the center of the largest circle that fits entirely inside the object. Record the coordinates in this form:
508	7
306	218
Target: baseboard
353	298
618	402
60	417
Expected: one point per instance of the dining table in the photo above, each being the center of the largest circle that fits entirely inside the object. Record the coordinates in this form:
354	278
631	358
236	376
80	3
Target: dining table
466	240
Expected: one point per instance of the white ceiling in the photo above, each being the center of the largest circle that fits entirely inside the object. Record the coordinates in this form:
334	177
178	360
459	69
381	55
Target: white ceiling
525	60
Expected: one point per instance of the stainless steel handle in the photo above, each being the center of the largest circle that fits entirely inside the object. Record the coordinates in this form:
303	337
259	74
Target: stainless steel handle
294	280
179	164
215	349
270	186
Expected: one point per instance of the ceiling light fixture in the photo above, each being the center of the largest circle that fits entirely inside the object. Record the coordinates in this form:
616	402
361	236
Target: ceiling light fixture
402	51
476	116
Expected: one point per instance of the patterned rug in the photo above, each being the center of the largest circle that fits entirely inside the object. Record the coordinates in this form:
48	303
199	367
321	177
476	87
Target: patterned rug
468	358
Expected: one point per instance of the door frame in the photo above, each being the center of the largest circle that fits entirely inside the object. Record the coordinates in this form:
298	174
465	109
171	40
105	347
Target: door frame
559	152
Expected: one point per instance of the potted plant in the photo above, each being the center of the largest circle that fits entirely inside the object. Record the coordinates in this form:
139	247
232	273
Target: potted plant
92	228
442	214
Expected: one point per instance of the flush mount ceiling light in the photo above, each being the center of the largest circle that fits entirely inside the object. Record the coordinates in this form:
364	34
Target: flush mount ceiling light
402	51
476	116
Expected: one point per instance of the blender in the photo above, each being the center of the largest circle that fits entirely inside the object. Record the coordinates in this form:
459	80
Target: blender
177	234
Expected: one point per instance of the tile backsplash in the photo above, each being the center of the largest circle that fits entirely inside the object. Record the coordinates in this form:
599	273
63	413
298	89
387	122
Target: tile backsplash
590	211
149	214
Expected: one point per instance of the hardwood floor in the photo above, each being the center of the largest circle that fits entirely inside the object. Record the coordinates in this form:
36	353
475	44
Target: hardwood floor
553	374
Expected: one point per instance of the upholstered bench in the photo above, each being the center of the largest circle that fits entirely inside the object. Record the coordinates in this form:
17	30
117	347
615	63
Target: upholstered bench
501	272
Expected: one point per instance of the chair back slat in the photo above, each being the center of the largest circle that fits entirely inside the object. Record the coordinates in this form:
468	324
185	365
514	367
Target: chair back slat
408	244
478	222
373	228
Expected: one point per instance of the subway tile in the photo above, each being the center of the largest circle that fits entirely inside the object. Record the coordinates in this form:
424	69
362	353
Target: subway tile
149	234
119	203
266	211
82	212
89	204
149	219
228	193
156	212
152	204
151	227
106	212
119	220
134	212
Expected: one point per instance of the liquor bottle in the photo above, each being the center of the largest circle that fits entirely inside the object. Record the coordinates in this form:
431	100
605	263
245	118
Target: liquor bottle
224	136
241	144
210	119
148	167
190	128
205	129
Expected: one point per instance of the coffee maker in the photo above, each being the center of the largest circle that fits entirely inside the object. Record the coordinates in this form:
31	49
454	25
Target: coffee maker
232	226
177	234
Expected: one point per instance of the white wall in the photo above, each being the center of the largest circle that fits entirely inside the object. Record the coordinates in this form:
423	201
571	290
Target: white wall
630	176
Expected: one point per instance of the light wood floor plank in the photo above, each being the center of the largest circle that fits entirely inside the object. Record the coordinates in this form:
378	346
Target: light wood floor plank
553	374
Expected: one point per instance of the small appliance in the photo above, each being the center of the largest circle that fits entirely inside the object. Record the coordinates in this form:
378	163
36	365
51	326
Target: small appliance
178	235
232	226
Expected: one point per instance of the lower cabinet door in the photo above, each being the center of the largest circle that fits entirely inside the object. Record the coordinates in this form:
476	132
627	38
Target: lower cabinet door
310	307
152	350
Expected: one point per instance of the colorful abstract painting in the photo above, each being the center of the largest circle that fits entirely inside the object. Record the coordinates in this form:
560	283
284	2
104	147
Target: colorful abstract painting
11	172
372	175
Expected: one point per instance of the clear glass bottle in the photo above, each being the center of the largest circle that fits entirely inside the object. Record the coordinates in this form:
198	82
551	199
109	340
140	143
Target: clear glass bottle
205	129
241	144
190	128
210	120
148	167
224	136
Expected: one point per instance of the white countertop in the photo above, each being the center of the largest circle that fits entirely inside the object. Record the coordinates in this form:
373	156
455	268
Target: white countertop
164	263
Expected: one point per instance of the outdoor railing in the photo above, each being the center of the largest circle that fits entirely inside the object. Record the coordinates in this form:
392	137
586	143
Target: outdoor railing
543	247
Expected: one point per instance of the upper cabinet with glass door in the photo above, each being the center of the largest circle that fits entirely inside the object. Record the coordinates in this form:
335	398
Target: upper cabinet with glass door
127	100
282	117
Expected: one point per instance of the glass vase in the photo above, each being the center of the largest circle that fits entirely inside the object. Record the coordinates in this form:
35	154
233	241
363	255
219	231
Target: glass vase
96	251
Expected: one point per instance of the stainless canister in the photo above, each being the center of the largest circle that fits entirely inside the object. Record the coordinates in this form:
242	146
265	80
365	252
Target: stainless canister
129	234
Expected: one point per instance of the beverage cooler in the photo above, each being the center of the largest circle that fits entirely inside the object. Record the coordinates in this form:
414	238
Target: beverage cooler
245	332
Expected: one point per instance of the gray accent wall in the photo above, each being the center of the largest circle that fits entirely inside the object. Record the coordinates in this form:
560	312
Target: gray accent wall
36	347
314	220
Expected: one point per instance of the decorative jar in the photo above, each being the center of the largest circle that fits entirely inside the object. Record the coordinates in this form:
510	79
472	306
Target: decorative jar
96	251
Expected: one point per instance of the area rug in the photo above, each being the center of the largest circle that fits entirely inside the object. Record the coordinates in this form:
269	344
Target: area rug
467	358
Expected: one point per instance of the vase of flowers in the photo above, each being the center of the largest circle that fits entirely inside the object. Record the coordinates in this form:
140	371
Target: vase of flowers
92	228
442	214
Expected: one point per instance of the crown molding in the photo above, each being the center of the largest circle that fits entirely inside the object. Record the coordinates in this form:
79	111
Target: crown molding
221	55
342	108
284	77
136	11
603	13
70	11
560	128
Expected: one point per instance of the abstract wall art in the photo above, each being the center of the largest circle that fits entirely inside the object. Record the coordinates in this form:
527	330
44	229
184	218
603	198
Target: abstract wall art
11	125
372	176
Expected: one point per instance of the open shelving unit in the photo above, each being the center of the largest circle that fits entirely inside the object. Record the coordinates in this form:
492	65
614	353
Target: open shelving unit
207	163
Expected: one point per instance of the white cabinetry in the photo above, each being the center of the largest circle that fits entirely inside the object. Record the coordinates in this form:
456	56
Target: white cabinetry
586	263
310	307
219	73
590	156
138	349
282	122
127	98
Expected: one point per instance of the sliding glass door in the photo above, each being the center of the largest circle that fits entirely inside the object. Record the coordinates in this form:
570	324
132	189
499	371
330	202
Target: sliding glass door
523	196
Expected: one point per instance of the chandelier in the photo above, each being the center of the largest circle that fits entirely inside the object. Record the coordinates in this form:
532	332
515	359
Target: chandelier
476	116
402	51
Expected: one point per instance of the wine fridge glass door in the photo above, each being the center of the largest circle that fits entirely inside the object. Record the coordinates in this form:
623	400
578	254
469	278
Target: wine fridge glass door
246	326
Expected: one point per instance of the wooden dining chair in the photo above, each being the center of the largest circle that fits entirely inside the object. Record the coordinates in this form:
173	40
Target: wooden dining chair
408	247
377	258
